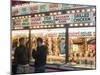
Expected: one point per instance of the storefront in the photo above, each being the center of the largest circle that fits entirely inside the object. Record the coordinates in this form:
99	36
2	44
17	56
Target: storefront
82	45
68	32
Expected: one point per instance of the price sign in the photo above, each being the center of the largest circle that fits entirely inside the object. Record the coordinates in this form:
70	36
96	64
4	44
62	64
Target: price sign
17	22
36	21
26	22
83	17
63	19
48	20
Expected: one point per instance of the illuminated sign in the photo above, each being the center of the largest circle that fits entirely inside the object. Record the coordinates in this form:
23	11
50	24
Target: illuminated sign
83	17
26	22
36	21
63	19
48	20
17	22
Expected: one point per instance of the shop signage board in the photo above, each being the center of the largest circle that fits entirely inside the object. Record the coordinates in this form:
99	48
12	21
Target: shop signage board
86	31
34	9
83	17
26	22
36	21
24	10
53	7
66	6
17	22
48	20
43	8
63	19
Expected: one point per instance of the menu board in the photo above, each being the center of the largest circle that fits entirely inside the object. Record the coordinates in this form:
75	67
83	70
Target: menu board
26	22
43	8
63	19
48	20
36	21
83	17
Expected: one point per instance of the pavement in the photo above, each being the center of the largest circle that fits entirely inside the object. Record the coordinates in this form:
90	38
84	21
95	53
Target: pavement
60	68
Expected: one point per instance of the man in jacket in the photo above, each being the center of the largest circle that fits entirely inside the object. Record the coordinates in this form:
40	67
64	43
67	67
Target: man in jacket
21	57
40	56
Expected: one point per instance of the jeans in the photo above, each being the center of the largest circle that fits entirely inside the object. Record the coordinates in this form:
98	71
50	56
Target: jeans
40	69
23	69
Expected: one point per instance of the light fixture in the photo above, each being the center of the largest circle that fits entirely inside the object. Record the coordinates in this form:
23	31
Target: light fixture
62	25
39	15
16	17
34	27
68	12
83	10
22	17
49	26
35	15
26	16
86	24
43	14
13	18
57	25
71	25
59	13
88	10
52	26
93	9
77	11
37	26
76	24
55	13
73	11
29	16
91	24
45	26
81	24
51	13
41	26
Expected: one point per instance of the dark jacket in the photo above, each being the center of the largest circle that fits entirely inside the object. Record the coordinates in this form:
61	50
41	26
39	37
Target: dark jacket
40	56
21	55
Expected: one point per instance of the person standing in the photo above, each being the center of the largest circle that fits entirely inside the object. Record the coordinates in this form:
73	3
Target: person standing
21	57
40	56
